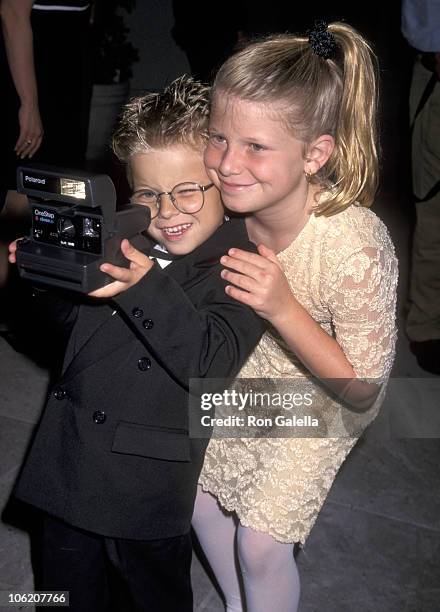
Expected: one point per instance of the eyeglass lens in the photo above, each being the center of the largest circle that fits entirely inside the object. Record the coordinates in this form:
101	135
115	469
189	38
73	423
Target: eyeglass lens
186	197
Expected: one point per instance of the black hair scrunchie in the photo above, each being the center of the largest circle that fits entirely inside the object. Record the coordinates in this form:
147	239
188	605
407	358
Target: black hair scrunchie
322	41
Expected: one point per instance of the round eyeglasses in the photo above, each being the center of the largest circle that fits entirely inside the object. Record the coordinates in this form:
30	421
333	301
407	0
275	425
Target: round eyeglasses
185	197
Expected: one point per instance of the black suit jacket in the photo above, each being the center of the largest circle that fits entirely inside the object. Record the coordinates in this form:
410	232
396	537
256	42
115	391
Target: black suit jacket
112	453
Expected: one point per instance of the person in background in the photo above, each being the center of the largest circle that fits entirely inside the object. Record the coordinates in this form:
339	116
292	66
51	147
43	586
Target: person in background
421	28
23	129
46	89
46	45
207	43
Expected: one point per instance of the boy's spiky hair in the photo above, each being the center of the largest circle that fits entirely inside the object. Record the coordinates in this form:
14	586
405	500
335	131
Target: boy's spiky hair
177	115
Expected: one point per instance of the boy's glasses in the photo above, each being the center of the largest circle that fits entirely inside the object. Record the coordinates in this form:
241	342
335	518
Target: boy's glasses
186	197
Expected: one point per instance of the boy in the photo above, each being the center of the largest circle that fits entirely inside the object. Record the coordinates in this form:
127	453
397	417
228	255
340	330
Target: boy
112	465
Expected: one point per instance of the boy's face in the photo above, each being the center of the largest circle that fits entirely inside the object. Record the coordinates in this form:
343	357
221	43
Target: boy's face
161	169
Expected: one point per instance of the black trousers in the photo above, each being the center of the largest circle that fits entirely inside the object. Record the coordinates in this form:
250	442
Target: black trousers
117	575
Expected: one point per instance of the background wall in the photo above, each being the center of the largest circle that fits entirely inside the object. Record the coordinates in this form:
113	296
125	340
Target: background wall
160	59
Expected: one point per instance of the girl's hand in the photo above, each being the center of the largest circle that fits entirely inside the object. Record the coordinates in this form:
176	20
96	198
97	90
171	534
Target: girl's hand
258	281
125	278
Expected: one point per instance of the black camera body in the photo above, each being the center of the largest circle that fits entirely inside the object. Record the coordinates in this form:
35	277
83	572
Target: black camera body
75	227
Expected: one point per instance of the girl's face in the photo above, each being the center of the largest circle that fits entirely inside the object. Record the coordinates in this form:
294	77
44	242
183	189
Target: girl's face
252	158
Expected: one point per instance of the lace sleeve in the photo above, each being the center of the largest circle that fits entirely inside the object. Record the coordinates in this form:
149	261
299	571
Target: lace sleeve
361	297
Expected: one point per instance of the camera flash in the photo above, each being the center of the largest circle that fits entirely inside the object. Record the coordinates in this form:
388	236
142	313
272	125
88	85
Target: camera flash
75	189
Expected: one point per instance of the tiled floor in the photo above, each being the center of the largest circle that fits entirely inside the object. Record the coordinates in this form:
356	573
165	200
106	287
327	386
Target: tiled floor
376	544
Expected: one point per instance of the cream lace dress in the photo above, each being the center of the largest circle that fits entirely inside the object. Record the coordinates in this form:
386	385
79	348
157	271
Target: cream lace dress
343	270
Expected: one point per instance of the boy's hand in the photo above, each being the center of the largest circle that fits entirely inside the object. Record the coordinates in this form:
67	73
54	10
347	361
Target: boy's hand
125	278
12	250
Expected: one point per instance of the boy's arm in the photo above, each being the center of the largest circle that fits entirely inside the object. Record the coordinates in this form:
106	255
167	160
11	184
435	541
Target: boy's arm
211	340
52	311
41	323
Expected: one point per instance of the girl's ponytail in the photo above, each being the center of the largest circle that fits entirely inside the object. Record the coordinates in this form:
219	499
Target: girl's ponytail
353	165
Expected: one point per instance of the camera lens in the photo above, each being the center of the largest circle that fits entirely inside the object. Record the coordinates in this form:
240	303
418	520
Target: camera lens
66	227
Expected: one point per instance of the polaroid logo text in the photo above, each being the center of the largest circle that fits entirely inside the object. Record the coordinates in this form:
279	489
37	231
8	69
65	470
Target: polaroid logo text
35	179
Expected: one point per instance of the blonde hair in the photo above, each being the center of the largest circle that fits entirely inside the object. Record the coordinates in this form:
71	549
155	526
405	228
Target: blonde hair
177	115
317	96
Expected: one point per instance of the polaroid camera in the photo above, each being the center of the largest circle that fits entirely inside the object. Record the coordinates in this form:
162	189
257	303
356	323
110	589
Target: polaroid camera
75	227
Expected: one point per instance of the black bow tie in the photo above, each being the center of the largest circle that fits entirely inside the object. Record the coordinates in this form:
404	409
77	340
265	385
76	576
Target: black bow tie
157	253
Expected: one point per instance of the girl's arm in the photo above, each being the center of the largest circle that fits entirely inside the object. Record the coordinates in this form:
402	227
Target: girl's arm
258	280
261	284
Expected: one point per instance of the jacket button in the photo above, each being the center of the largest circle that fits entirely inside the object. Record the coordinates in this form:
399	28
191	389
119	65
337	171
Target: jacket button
148	323
59	394
99	417
144	364
137	313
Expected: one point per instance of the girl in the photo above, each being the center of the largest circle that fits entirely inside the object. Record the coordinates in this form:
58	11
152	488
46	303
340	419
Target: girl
293	146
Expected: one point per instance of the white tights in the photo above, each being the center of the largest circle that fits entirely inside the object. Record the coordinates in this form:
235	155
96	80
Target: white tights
246	560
